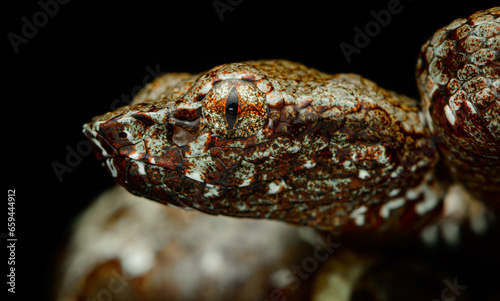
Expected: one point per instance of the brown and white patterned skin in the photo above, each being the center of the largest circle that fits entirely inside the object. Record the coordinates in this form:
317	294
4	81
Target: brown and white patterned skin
458	74
276	139
332	151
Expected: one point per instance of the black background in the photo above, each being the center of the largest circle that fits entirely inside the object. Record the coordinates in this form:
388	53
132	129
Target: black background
89	54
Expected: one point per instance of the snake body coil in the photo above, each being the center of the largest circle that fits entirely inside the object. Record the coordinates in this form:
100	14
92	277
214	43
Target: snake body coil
458	75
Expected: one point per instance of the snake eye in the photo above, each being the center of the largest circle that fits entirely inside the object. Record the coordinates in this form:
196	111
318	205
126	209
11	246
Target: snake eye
232	108
235	108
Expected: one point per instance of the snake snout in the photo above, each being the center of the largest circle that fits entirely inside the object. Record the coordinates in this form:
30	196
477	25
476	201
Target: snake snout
102	148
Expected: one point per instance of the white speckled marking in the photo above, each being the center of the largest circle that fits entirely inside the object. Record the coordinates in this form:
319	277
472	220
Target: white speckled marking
96	142
421	117
309	164
385	210
134	156
211	191
358	215
430	201
449	115
293	149
397	172
245	183
363	174
394	192
471	107
428	119
111	167
382	159
414	193
141	167
275	188
197	147
242	206
194	175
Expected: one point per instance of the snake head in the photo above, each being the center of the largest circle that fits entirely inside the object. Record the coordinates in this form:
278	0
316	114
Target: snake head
272	139
176	150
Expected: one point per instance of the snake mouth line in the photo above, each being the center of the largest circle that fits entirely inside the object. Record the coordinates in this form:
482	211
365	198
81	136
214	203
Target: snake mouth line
96	139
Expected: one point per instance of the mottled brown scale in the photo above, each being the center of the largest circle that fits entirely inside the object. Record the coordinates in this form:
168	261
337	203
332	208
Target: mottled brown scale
461	95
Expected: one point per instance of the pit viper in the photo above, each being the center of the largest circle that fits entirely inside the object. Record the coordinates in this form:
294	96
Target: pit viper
275	139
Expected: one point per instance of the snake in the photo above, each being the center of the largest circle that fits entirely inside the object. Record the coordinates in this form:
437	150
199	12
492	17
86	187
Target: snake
274	139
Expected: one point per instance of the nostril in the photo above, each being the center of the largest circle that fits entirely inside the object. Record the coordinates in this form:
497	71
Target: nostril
123	135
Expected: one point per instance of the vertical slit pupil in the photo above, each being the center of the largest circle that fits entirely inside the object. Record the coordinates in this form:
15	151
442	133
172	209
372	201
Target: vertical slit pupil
232	107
